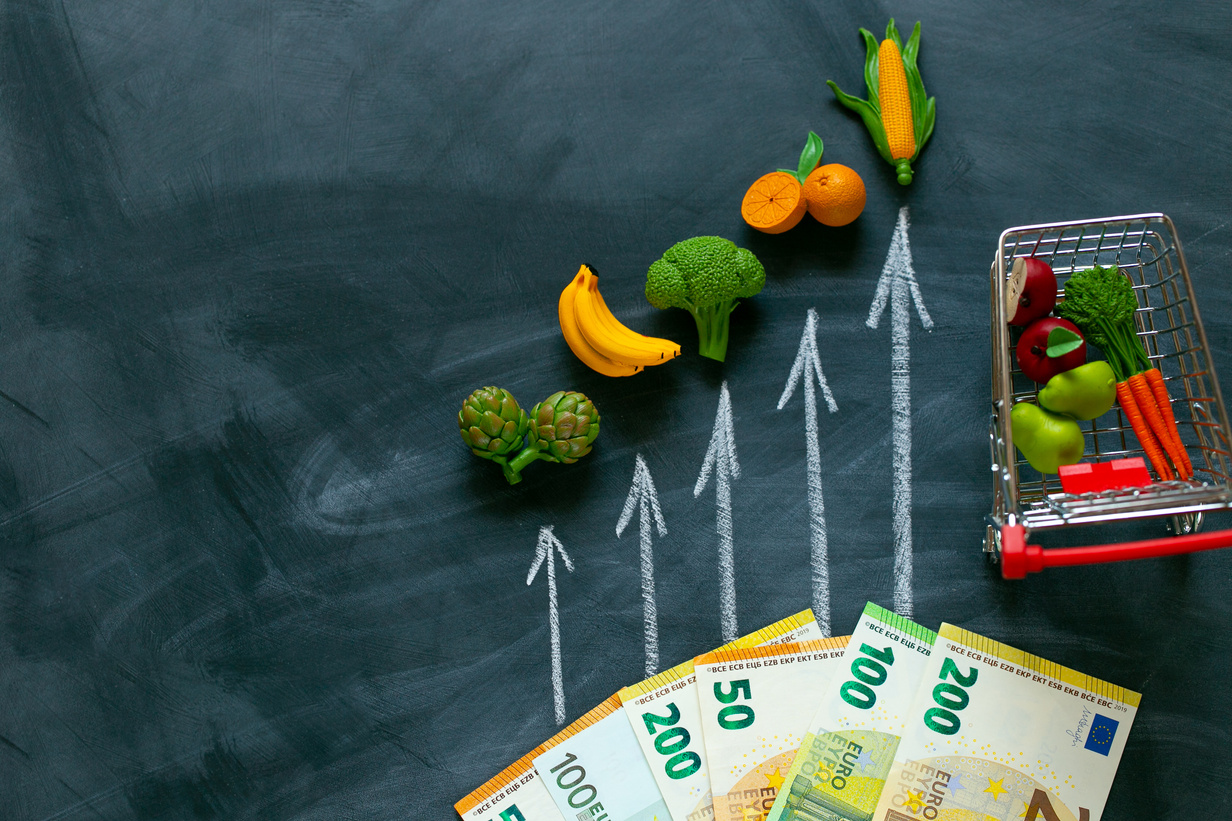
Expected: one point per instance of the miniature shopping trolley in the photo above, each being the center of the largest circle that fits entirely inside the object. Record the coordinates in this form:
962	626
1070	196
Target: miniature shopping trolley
1146	249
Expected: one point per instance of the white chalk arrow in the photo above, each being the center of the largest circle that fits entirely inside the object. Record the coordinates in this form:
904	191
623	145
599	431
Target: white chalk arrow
549	544
721	461
896	284
644	498
808	368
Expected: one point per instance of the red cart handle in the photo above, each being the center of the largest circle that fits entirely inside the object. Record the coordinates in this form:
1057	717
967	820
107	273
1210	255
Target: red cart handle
1019	558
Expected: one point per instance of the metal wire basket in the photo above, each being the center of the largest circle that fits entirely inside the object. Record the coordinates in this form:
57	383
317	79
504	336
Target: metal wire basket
1145	247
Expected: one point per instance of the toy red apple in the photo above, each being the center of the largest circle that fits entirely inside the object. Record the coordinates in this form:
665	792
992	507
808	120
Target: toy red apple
1050	346
1031	291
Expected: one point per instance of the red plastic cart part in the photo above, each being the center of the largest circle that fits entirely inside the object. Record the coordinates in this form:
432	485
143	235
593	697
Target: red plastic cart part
1019	558
1096	477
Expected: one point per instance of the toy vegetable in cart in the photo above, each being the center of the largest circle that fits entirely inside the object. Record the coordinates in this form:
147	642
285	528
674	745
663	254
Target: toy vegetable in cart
1102	303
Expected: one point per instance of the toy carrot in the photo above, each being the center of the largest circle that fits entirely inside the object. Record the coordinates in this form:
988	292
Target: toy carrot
1102	303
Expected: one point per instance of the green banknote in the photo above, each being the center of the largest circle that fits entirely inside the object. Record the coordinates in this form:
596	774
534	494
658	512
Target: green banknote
594	770
847	753
996	733
663	711
755	705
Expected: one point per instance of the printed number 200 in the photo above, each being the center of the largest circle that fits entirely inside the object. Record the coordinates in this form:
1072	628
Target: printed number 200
681	763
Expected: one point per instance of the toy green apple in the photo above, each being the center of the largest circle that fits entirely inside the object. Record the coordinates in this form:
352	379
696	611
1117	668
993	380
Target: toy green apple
1085	392
1047	440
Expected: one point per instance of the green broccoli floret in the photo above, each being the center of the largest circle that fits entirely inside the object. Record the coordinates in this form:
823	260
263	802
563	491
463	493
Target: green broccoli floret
1101	302
707	276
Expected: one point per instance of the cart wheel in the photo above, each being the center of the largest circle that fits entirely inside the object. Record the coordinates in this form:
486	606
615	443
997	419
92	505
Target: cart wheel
1186	523
992	543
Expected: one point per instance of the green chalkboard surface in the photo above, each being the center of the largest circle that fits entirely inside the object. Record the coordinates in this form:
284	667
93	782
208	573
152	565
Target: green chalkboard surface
255	254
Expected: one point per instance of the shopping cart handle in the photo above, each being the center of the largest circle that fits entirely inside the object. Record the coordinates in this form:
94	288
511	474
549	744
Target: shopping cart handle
1019	558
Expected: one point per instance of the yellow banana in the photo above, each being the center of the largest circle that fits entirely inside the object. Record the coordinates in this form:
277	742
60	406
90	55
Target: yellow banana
608	336
577	343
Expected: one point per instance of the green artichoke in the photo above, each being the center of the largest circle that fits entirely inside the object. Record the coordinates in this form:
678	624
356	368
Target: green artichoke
563	427
492	423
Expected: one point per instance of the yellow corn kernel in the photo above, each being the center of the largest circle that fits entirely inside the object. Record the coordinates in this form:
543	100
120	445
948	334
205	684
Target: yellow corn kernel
895	101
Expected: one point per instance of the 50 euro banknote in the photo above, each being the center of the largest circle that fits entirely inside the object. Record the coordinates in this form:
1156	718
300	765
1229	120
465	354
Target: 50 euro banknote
844	759
664	713
755	704
996	733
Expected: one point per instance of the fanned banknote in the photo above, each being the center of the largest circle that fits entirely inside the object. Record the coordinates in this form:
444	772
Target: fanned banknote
516	793
848	751
996	733
594	770
755	705
663	712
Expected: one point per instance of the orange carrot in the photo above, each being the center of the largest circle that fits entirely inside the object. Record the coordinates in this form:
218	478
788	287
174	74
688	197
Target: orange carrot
1164	402
1129	405
1150	411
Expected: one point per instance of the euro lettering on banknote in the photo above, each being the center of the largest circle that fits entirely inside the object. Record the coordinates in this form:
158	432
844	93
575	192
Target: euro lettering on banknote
755	705
998	733
848	751
663	711
595	771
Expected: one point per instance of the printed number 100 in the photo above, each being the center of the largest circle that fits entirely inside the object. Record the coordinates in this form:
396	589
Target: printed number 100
672	742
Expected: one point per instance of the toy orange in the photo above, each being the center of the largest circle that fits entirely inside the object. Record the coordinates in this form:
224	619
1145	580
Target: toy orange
775	202
834	194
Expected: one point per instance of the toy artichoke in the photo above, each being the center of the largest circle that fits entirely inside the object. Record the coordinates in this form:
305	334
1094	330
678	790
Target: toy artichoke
492	423
561	429
564	426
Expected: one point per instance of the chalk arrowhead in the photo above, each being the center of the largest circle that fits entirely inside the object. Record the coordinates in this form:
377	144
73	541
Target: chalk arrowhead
721	454
808	365
641	493
543	550
898	273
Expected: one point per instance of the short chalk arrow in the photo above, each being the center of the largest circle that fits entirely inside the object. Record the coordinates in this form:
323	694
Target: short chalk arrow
896	284
721	461
546	548
644	498
808	367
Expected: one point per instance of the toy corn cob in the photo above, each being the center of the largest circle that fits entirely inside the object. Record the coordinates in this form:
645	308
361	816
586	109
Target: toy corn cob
898	115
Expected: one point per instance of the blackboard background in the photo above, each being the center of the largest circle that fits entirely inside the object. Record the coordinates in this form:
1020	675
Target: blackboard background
256	253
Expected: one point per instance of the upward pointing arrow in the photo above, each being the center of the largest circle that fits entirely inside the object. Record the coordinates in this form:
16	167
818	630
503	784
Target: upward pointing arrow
896	283
808	367
721	461
546	548
644	498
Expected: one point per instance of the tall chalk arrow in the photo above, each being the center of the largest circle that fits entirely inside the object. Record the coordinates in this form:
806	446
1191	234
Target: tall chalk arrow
548	543
721	461
808	367
644	498
897	282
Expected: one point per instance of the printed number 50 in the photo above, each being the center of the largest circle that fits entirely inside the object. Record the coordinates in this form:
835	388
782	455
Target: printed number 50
737	716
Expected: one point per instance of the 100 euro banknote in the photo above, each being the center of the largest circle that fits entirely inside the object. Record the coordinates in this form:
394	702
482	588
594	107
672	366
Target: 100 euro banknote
594	770
846	756
996	733
755	705
663	712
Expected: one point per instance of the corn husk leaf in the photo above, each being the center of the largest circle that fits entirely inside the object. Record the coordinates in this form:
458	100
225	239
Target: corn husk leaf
871	117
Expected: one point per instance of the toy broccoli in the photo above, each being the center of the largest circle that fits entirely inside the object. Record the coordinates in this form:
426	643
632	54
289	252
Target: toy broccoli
707	276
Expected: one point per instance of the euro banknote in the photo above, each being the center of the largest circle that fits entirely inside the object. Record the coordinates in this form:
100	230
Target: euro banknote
846	755
663	711
755	704
516	793
998	733
594	770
